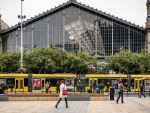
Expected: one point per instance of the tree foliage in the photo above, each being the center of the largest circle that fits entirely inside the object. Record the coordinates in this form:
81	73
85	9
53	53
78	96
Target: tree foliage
46	60
128	62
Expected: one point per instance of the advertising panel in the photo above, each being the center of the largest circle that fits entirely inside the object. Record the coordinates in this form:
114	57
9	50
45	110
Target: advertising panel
37	83
70	84
2	81
147	85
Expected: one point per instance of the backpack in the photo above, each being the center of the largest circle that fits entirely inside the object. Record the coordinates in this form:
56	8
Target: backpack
116	86
47	86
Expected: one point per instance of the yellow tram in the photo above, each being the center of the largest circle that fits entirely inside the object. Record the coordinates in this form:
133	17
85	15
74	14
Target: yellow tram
20	81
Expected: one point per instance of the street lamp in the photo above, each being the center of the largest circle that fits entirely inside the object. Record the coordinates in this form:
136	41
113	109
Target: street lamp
144	83
120	74
21	17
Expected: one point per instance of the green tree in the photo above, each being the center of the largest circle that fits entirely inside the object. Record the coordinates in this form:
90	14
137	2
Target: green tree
46	60
129	62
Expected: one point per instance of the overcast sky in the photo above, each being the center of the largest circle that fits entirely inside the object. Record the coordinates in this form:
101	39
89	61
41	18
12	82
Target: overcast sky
134	11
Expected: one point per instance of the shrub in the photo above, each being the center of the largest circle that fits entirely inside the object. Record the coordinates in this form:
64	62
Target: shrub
5	86
11	86
101	86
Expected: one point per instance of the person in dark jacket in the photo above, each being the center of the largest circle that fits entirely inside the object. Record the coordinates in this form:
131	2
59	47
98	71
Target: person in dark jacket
120	91
57	87
141	91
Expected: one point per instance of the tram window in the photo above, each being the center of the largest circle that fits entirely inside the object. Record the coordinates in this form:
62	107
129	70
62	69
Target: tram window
25	81
103	81
86	82
52	81
21	84
124	81
43	83
140	82
132	81
16	84
10	81
136	84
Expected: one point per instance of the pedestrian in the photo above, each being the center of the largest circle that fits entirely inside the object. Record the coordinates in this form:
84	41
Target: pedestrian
97	90
141	91
62	86
120	91
47	87
126	85
132	87
108	86
116	88
57	87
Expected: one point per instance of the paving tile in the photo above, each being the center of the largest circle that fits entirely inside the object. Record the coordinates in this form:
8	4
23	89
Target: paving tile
132	104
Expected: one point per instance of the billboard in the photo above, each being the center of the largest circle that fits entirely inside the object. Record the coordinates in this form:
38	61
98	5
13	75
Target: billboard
70	84
36	84
2	81
147	85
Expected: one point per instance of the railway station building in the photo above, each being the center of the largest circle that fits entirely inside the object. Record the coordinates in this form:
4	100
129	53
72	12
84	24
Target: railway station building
78	27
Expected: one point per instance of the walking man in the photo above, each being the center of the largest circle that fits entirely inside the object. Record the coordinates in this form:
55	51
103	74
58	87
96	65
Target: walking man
57	87
47	87
141	91
120	91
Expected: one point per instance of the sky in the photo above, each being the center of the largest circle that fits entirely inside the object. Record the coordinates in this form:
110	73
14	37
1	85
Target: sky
134	11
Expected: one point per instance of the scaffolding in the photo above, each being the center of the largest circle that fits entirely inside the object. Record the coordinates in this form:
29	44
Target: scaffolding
84	34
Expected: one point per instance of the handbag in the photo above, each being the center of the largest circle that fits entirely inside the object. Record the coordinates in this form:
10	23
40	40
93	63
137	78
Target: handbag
64	92
121	89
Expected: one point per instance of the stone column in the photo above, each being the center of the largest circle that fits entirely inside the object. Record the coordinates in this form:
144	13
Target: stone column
0	36
0	44
148	27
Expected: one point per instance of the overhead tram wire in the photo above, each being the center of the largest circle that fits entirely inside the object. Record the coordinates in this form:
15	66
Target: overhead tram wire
9	2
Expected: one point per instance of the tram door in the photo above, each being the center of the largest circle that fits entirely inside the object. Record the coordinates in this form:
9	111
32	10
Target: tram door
19	84
43	84
137	83
93	81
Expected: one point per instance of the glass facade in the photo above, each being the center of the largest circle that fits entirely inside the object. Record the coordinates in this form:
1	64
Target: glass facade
76	29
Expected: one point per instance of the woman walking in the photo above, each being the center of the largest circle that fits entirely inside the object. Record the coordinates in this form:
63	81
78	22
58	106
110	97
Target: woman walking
120	91
62	86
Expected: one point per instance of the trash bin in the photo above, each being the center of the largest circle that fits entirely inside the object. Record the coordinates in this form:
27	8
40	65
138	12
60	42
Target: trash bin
1	91
111	93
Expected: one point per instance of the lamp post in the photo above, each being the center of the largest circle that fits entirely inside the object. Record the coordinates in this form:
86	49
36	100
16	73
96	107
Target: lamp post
0	22
143	83
74	84
21	17
120	74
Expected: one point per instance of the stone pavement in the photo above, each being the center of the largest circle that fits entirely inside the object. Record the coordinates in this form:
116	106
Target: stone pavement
130	105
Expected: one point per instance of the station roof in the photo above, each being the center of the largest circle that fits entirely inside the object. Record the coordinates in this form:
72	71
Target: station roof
68	4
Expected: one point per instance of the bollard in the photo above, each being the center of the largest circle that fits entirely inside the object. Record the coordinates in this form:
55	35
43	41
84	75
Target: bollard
1	91
111	93
15	90
127	92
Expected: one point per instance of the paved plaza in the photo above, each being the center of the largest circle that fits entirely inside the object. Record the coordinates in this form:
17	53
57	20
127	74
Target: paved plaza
130	105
